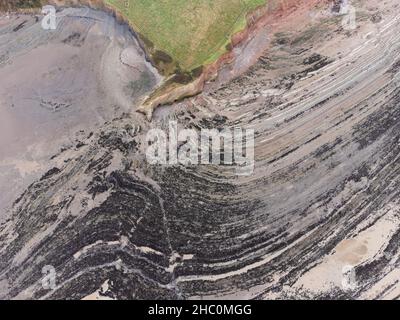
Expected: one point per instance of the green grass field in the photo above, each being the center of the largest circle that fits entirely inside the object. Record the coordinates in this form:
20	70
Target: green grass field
6	5
191	32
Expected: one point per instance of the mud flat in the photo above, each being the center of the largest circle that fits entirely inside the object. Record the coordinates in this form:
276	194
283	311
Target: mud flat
58	85
324	196
243	49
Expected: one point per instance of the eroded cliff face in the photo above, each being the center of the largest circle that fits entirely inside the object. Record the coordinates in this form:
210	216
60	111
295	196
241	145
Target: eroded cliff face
324	103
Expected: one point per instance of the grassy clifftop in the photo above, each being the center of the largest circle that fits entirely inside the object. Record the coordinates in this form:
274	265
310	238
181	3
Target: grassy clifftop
185	34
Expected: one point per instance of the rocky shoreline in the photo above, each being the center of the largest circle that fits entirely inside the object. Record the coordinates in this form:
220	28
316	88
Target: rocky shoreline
324	196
